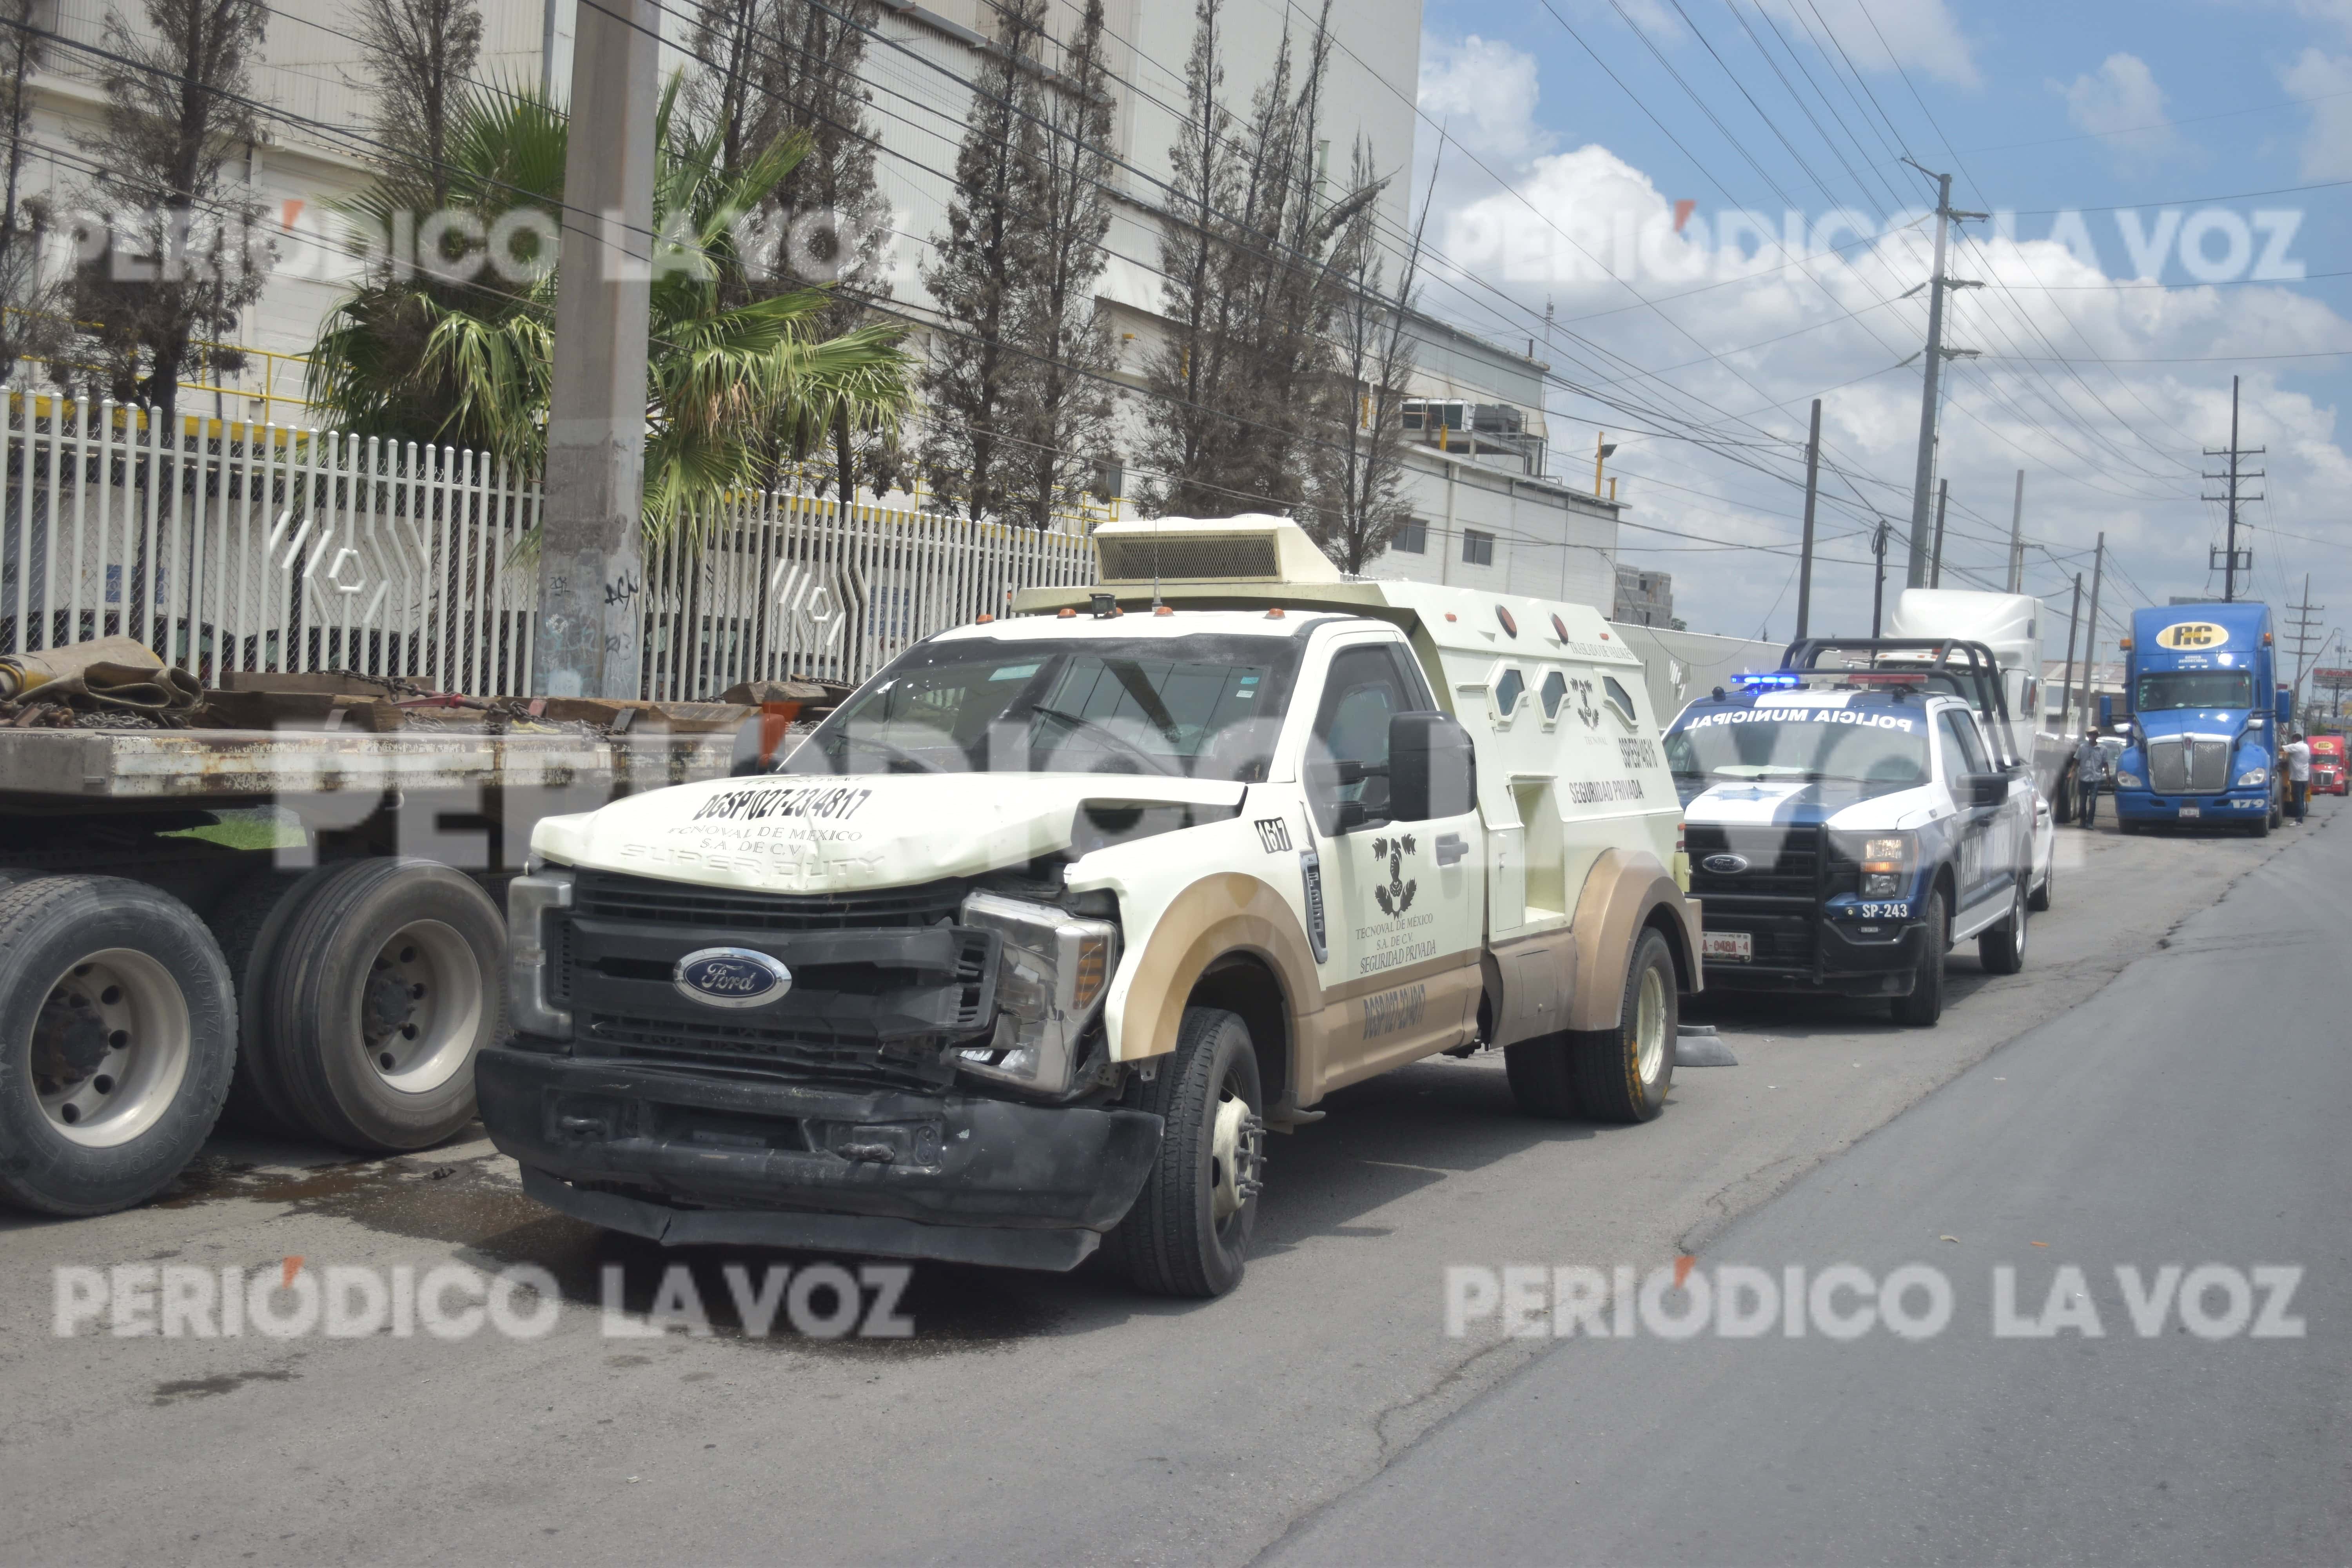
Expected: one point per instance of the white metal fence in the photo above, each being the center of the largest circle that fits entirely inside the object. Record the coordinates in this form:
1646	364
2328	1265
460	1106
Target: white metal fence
254	547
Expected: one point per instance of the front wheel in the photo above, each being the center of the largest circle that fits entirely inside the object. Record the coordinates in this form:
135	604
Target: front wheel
1926	1003
1189	1232
2001	949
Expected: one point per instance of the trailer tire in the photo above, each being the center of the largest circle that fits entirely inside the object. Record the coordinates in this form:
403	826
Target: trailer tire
1926	1003
119	992
388	987
250	925
1174	1241
1623	1074
2062	810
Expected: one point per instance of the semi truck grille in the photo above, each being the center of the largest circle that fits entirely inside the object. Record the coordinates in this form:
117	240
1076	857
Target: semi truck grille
2192	766
606	895
1779	860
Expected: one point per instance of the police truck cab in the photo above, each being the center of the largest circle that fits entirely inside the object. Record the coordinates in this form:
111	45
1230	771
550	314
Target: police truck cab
1845	829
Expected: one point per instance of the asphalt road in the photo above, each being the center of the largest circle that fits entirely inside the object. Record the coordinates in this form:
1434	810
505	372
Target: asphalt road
2192	1113
1323	1410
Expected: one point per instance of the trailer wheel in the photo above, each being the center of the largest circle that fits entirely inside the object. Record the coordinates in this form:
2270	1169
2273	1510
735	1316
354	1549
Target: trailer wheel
118	1035
386	989
1926	1003
1623	1074
251	923
1189	1231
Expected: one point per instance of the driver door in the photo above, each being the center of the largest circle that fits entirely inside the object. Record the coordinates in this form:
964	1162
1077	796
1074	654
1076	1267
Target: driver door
1407	899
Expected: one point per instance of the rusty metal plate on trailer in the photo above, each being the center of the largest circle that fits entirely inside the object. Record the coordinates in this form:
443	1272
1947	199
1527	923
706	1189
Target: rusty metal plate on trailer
191	766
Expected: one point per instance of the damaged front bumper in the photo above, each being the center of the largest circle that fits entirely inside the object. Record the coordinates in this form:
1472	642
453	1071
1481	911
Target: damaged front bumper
688	1159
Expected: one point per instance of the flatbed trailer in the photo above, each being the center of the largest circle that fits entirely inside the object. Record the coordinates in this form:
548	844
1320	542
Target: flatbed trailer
328	970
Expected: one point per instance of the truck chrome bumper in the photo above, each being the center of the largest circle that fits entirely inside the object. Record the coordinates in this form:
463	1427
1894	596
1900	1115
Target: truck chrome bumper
686	1159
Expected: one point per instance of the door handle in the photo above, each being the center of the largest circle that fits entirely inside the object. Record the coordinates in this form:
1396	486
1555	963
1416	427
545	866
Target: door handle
1451	846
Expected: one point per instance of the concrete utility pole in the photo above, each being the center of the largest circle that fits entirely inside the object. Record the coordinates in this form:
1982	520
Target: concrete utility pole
1805	558
2017	538
1935	562
1937	284
2091	630
2304	638
2066	686
2233	560
591	573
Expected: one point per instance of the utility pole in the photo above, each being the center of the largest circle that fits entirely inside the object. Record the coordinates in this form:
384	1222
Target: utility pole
2091	631
1878	586
2066	687
1935	562
2304	638
591	573
1936	354
2017	538
1805	557
2233	560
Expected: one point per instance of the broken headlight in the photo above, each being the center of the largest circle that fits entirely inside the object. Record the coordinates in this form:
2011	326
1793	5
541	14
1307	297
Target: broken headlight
1049	984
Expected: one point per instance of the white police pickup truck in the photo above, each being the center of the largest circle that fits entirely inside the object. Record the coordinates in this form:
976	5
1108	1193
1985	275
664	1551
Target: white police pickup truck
1033	941
1846	828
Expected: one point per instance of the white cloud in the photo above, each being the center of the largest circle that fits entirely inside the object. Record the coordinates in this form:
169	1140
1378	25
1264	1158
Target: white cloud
2328	141
1484	93
2123	460
1920	35
2122	104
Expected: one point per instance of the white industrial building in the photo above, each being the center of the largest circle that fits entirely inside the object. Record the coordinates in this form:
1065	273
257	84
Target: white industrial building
1484	511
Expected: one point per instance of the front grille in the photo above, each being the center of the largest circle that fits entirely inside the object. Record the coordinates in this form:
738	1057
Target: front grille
743	1047
605	895
2209	767
1783	860
2178	766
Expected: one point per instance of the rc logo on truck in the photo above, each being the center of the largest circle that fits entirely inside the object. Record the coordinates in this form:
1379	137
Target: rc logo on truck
2191	635
730	977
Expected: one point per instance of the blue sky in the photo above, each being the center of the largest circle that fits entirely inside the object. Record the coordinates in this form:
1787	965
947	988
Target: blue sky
2100	387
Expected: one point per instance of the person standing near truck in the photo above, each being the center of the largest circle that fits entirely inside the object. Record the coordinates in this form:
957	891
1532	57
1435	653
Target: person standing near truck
2297	757
2090	772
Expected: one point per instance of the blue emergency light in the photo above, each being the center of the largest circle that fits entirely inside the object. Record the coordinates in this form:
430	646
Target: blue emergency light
1770	680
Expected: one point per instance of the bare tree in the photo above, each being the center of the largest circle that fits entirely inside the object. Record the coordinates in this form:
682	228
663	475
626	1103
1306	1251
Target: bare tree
1188	374
1250	247
181	259
422	53
31	320
1359	456
1061	412
991	246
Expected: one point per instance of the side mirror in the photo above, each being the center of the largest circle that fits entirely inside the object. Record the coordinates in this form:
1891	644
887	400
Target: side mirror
1987	789
1432	767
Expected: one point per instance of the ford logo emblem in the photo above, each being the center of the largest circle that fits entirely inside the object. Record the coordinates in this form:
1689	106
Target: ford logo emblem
730	977
1725	865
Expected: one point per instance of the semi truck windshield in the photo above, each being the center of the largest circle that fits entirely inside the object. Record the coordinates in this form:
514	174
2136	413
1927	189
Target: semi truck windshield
1870	745
2173	689
1199	707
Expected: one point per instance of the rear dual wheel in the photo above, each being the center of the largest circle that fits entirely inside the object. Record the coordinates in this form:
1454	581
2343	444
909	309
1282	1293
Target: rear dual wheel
118	1035
1622	1074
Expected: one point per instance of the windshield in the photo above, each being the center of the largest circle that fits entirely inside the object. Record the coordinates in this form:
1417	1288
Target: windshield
1196	706
1871	746
2175	688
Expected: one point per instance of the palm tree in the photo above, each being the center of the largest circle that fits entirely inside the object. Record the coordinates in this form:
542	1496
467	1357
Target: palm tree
465	360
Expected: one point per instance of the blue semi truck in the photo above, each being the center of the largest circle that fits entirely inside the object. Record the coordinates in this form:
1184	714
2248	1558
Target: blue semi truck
2206	718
